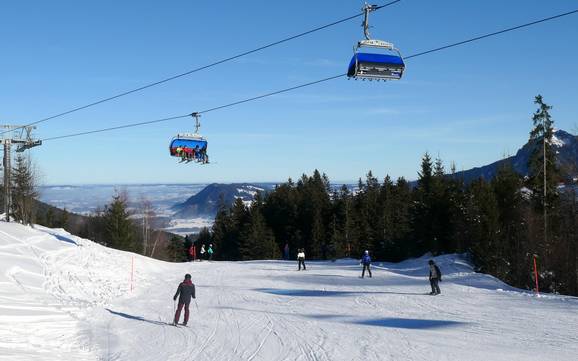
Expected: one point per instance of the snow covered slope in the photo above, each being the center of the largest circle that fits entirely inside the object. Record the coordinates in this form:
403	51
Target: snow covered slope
65	298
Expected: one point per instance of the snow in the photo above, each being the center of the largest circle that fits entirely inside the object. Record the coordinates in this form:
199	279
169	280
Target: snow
66	298
557	141
184	227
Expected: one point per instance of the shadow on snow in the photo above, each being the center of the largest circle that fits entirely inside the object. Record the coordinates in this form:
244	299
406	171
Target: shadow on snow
326	293
388	322
136	318
408	323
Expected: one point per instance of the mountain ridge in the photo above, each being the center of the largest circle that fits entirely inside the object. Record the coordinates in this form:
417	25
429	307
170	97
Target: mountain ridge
566	146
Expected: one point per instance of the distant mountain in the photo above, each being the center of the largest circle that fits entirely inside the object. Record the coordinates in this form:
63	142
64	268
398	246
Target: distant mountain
206	202
567	158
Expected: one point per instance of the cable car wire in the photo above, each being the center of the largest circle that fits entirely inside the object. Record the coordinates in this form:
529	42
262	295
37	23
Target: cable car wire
73	110
491	34
313	82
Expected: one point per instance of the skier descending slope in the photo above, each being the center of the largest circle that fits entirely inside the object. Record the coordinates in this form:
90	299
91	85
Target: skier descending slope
435	276
301	258
366	261
186	290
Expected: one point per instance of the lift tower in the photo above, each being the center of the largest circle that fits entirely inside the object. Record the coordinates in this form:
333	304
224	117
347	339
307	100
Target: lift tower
24	141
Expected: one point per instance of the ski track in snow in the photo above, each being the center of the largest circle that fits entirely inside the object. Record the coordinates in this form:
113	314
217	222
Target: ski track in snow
66	298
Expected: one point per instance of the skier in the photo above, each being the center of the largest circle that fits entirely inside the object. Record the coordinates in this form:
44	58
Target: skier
210	252
366	261
186	290
435	276
286	252
301	259
202	252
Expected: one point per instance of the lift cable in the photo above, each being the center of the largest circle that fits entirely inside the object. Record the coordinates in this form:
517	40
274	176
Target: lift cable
204	67
313	82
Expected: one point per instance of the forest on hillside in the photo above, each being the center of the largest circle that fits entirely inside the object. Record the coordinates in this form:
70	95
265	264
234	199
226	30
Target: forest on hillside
503	223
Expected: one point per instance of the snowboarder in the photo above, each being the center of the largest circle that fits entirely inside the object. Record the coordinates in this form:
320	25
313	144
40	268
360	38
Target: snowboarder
301	259
210	252
435	276
202	252
366	261
186	290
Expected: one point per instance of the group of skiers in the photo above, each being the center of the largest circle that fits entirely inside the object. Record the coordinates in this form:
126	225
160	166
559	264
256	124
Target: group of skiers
435	274
188	154
205	253
186	289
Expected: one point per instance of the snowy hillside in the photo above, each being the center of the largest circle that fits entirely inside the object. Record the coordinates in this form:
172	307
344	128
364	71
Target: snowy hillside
65	298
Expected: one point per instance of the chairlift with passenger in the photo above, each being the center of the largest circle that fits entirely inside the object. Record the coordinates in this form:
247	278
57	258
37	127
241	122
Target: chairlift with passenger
385	65
190	147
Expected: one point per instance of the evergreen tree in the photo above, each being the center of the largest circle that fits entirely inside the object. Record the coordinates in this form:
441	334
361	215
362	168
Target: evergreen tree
259	242
225	246
280	212
541	137
484	225
62	221
543	180
513	237
23	190
401	233
204	237
119	228
176	249
440	210
422	212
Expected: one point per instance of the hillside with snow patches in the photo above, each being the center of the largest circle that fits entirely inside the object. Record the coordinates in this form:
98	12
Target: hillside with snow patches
67	298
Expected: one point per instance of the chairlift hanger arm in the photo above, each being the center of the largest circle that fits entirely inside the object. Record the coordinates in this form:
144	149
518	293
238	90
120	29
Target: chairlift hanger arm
196	115
366	10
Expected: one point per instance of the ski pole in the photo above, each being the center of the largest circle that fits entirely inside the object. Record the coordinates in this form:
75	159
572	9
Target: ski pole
196	304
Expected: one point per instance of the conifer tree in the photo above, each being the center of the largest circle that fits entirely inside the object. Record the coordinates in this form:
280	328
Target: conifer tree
221	234
422	207
258	239
541	136
484	225
23	190
176	249
513	237
119	228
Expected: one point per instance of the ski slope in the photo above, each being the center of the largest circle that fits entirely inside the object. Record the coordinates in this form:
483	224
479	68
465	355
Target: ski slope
66	298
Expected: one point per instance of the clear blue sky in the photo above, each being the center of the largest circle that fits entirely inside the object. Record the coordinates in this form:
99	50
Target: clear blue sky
471	104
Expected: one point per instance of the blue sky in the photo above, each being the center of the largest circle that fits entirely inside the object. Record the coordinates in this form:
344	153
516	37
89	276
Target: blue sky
470	105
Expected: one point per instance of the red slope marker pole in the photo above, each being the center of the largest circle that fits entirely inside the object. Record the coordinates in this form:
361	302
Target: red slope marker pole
536	276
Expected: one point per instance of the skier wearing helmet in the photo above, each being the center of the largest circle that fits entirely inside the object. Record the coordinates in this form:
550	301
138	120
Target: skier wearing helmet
186	290
366	261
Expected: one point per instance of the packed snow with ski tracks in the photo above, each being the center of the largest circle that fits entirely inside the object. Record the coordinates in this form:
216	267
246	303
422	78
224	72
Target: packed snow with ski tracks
66	298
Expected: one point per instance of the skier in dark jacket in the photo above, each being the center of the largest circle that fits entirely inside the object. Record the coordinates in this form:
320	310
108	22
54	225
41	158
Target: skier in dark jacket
435	276
366	261
186	290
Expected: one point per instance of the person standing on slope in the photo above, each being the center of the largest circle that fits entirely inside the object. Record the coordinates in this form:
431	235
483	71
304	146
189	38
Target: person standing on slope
202	252
435	276
366	261
186	290
210	252
301	259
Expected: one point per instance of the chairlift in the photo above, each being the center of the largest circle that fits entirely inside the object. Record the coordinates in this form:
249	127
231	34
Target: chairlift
190	147
385	65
